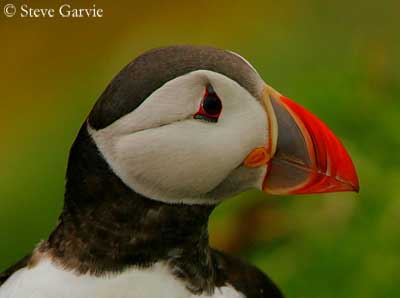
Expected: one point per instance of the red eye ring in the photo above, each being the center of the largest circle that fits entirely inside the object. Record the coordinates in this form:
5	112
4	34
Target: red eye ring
211	106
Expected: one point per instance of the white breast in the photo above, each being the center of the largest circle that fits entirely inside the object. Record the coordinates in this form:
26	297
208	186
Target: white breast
47	280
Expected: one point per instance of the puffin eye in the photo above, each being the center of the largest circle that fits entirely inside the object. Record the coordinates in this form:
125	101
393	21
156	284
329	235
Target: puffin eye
210	107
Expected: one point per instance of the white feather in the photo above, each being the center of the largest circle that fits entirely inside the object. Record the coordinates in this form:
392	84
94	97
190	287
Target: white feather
46	280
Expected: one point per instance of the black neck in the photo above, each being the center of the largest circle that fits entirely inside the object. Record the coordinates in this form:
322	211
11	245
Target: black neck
106	227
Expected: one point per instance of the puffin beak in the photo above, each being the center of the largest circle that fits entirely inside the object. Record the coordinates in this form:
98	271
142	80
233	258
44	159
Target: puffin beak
303	156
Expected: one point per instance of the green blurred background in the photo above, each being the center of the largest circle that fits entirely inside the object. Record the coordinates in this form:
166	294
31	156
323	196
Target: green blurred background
340	59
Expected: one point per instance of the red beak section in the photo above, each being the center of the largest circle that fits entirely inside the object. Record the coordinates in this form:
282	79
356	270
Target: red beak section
308	157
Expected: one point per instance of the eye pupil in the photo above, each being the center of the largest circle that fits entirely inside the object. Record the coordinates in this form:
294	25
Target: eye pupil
212	104
210	107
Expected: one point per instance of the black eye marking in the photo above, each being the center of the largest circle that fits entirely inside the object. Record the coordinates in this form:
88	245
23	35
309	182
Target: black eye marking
210	107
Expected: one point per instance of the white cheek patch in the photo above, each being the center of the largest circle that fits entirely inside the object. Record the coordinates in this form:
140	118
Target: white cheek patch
160	151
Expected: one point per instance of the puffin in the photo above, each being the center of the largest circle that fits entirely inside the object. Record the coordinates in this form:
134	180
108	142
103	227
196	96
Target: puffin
179	130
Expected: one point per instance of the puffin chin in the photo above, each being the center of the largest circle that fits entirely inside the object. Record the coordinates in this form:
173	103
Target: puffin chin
240	180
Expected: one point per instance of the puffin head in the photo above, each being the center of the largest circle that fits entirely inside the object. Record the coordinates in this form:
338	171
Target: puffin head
196	125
